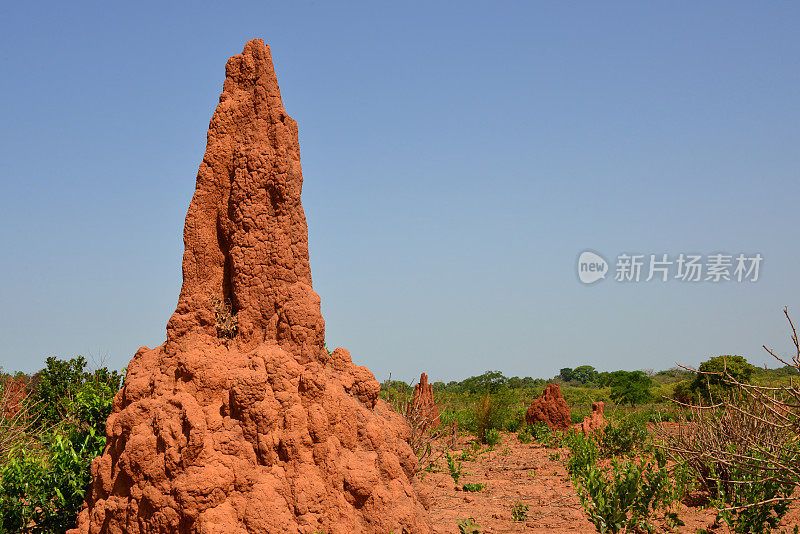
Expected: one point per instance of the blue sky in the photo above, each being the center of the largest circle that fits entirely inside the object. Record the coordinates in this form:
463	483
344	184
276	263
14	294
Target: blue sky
457	159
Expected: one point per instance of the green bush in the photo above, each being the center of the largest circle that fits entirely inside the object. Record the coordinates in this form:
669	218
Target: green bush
626	495
583	452
524	434
541	433
45	477
748	496
473	486
491	437
43	491
64	393
496	411
624	436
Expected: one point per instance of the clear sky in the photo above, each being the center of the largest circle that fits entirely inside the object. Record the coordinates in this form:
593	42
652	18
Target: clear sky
458	157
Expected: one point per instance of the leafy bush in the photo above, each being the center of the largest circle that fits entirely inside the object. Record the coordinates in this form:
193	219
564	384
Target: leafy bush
45	476
495	412
624	436
625	495
541	433
65	393
750	504
473	486
583	452
524	434
42	492
491	437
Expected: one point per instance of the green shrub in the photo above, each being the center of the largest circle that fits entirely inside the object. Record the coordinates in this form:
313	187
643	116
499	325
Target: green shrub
495	411
45	477
473	486
491	437
624	436
524	435
583	452
514	419
625	495
631	387
541	433
748	497
577	415
43	491
65	393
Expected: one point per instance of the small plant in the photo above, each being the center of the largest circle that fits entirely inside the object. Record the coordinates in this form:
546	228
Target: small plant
473	486
471	453
224	317
524	435
555	456
454	466
468	526
519	511
491	437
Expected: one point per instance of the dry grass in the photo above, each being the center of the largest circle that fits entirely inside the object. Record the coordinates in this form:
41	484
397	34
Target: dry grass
224	318
751	429
421	421
16	417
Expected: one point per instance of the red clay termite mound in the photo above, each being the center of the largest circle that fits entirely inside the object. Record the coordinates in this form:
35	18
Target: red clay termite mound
594	421
242	422
423	405
550	408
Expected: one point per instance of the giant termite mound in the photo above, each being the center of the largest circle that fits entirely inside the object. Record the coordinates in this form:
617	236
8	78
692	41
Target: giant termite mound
242	421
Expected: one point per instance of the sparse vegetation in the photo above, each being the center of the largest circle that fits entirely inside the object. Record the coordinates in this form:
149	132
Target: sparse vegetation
224	317
519	511
468	526
625	495
453	466
734	440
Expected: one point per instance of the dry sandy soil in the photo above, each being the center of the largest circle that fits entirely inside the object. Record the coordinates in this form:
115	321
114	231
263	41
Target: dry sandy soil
536	476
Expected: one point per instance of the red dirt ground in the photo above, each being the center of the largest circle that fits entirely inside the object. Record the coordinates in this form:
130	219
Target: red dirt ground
536	476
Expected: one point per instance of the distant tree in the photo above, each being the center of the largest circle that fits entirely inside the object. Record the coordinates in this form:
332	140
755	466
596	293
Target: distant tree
566	374
710	382
631	388
396	385
514	382
488	382
584	374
